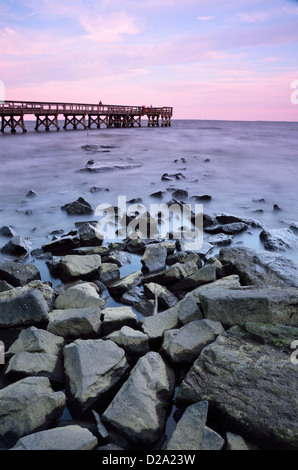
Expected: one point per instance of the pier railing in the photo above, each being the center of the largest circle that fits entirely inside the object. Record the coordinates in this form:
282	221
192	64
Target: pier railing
46	113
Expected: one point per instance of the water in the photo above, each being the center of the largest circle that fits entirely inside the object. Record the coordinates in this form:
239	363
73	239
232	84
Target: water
244	166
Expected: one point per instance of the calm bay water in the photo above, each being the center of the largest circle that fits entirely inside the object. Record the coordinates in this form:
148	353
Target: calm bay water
246	167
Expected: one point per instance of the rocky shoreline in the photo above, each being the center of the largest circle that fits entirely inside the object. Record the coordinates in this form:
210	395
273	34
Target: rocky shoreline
201	338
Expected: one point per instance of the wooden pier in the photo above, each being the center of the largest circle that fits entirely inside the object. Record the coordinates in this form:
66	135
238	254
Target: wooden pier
77	115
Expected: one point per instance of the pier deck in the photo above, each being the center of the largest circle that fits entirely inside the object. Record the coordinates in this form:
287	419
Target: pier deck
77	115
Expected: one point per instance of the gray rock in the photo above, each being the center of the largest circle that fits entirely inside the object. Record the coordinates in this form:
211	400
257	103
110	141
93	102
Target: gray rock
119	257
82	295
70	437
5	287
266	305
254	386
62	246
34	340
183	257
260	268
113	318
89	235
191	432
282	239
78	207
185	344
131	340
45	289
17	246
27	406
137	299
220	239
79	266
154	258
118	288
18	274
140	407
108	273
224	218
75	322
236	442
92	368
156	325
24	309
7	231
25	364
173	274
166	299
202	276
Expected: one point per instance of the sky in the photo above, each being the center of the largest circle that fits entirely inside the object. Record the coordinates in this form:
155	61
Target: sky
208	59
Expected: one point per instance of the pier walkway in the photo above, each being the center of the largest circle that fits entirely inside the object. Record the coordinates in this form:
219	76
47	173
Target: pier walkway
77	115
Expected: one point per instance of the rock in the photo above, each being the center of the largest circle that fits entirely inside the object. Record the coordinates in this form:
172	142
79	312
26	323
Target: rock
27	406
132	341
260	268
62	246
18	274
36	340
116	317
31	193
158	194
185	344
81	295
89	236
75	322
236	442
92	368
183	257
203	197
166	299
108	273
5	287
223	219
189	308
118	257
70	437
78	207
140	407
154	258
7	231
173	274
118	288
24	364
45	289
191	432
17	246
79	266
220	239
156	325
235	306
180	193
279	239
233	228
25	309
136	298
101	429
203	275
253	386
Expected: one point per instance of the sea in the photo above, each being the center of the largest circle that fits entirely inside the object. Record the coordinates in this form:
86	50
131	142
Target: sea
248	169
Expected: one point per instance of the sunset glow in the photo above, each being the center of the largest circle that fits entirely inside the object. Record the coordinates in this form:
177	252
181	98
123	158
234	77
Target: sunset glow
232	60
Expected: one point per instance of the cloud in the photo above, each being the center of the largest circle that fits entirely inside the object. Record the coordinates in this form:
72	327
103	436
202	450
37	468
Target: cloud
110	28
205	18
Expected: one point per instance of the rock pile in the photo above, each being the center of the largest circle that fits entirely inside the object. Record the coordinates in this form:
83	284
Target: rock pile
206	338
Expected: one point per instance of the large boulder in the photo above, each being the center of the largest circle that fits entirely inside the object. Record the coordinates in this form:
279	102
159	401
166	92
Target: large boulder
186	343
79	266
45	289
18	274
28	406
78	207
63	246
132	341
81	295
259	268
154	258
250	381
17	247
28	308
92	368
139	409
256	304
75	322
282	239
71	437
113	318
124	284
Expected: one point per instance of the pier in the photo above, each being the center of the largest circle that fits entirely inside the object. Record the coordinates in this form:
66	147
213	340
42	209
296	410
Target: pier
78	115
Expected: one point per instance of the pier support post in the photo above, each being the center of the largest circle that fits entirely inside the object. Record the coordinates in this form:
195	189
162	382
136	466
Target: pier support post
74	120
13	122
47	121
153	120
97	120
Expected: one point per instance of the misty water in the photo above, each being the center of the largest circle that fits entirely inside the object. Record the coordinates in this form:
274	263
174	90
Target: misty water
246	168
